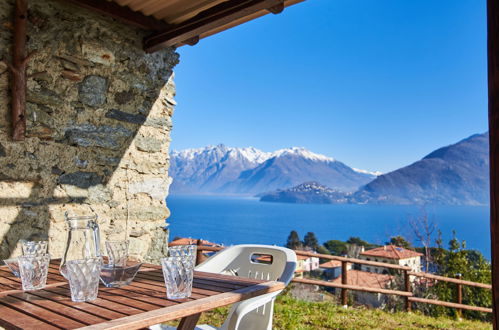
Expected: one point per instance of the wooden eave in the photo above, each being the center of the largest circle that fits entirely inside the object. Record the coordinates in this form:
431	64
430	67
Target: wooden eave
180	22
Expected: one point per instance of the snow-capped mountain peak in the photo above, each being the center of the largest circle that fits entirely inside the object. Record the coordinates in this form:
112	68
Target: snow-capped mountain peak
302	152
250	154
375	173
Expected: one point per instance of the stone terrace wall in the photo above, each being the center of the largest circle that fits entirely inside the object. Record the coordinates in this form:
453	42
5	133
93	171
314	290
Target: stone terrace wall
99	121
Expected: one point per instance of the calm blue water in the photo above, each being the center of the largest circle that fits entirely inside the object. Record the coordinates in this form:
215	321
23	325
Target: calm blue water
231	220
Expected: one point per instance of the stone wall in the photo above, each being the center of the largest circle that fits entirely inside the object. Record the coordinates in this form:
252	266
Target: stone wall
99	119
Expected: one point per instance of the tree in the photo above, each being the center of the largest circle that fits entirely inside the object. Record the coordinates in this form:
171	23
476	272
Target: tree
400	241
472	266
360	242
336	247
311	241
357	241
423	228
322	250
294	242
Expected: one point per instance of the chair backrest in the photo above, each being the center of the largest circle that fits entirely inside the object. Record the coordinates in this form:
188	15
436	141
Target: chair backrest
265	262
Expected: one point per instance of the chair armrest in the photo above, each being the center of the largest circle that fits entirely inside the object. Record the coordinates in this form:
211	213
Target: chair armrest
244	307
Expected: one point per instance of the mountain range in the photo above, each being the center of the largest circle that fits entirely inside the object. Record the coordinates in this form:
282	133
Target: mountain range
457	174
249	171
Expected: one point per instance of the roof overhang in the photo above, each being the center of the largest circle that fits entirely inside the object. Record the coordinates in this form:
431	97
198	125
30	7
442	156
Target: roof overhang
180	22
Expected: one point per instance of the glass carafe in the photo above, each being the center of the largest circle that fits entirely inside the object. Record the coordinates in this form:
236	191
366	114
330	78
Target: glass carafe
83	239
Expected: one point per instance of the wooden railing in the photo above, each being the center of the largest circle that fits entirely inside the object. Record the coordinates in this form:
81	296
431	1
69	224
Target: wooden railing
407	292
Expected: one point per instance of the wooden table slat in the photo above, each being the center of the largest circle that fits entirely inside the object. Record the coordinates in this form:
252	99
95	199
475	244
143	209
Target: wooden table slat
101	303
220	284
216	286
13	319
196	293
141	294
15	283
6	286
40	313
201	283
129	301
87	308
223	283
8	277
229	278
58	308
212	276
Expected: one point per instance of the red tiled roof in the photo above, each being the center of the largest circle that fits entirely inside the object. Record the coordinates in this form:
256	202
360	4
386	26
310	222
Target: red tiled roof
331	264
391	252
265	258
188	241
299	257
366	279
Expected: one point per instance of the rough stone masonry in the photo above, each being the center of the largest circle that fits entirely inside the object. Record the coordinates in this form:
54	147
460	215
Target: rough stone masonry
99	119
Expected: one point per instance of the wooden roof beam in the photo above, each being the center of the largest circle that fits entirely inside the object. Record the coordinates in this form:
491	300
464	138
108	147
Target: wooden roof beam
277	9
207	20
124	14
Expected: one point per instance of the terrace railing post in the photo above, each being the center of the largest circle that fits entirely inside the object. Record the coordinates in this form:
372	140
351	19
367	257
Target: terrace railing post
459	295
408	288
344	280
199	254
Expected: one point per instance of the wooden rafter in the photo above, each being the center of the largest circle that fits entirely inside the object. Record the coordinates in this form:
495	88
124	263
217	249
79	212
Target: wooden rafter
122	13
207	20
493	84
17	70
277	9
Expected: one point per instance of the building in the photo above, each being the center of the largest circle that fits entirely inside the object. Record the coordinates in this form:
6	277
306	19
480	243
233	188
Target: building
305	264
391	254
332	269
191	241
309	263
370	280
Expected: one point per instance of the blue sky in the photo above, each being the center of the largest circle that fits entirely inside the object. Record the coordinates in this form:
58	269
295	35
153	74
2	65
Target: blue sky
377	84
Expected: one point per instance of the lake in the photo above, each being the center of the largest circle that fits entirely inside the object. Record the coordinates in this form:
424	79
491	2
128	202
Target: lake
236	220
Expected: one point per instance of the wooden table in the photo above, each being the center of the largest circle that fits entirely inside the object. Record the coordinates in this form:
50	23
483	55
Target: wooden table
138	305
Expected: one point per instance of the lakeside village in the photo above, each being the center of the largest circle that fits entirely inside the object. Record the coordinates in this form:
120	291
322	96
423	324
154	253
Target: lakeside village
454	262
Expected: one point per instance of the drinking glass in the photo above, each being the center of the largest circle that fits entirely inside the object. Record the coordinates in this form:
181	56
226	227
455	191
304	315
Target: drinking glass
178	274
13	265
33	270
34	247
83	277
117	252
183	251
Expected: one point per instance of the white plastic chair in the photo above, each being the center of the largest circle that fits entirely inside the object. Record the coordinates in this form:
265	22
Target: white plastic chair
264	262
